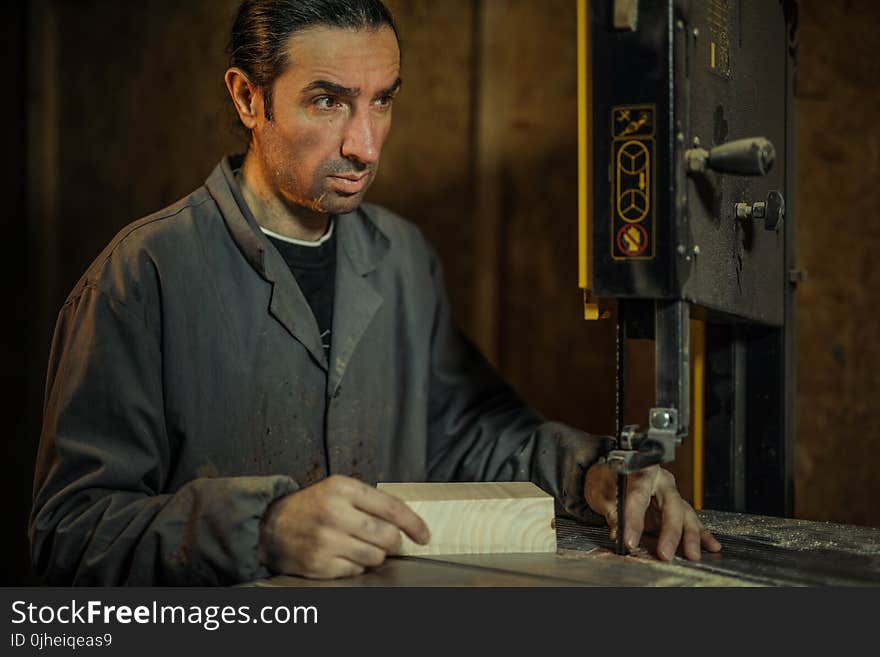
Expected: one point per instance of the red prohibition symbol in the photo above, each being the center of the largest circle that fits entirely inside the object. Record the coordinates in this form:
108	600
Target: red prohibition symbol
632	240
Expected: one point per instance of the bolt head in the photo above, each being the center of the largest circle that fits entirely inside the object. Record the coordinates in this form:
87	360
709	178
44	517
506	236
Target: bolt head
742	210
661	419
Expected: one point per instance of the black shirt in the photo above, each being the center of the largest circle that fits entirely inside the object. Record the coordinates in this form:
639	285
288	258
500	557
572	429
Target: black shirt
314	268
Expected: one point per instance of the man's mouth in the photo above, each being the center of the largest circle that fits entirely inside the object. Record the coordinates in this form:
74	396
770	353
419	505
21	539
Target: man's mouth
350	182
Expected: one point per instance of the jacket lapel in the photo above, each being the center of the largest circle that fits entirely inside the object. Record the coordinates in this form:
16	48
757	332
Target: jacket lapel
288	304
290	307
356	301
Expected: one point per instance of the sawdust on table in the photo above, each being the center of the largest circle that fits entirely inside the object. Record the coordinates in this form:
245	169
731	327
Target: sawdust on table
795	534
672	573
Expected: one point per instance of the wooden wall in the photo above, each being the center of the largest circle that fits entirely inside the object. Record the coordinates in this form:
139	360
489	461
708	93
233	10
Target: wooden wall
127	112
839	242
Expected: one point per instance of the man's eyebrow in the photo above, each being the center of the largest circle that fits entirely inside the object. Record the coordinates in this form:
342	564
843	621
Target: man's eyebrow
393	89
348	92
333	88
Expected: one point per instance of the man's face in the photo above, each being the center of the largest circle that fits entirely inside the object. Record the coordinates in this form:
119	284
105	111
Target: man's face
331	112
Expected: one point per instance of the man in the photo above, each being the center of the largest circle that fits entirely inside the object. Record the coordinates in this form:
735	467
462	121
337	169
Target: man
233	371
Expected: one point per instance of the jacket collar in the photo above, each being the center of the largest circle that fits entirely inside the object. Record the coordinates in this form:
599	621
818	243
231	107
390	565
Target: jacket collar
364	243
361	246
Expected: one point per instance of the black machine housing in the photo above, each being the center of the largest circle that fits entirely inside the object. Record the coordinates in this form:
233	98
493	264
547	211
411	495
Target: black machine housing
679	220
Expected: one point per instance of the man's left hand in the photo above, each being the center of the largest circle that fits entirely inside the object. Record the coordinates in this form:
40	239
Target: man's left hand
653	504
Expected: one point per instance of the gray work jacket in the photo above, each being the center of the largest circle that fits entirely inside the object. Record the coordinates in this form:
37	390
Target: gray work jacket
187	389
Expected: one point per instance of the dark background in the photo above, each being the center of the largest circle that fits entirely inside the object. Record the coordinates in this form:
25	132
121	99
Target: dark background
113	110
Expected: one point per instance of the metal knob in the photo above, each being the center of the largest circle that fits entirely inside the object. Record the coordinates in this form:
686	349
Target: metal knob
753	156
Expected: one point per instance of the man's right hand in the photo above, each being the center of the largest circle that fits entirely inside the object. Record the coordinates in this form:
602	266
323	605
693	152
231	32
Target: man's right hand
335	528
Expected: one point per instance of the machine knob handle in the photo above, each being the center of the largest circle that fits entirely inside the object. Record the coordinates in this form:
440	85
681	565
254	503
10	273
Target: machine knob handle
753	156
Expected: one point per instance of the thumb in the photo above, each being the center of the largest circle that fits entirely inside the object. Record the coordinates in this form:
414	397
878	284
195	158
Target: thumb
600	492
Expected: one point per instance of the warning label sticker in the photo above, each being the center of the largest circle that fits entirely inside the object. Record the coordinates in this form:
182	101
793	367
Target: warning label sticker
633	122
632	184
632	240
719	20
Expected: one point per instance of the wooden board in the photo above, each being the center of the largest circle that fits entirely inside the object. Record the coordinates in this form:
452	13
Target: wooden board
479	518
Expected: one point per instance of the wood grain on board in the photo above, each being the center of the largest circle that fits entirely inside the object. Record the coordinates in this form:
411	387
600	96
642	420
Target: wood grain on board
479	518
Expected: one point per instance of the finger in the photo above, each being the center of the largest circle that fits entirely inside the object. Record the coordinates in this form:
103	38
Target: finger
672	527
653	518
709	542
339	567
328	567
391	509
600	490
360	552
639	489
612	521
370	529
691	535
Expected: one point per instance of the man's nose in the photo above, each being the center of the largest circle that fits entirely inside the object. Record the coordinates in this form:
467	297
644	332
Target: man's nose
361	141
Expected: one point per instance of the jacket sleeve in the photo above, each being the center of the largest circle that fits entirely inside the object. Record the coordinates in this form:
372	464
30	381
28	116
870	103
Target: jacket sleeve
101	513
480	430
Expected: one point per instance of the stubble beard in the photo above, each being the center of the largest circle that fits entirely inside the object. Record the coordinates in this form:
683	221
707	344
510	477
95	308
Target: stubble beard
327	201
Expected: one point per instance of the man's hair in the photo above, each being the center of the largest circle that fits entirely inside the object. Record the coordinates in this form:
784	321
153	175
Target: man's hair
262	28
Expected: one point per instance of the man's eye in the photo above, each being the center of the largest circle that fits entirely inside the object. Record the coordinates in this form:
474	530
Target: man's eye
326	102
385	102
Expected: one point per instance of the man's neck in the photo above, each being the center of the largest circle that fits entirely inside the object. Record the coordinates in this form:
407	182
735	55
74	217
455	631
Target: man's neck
272	213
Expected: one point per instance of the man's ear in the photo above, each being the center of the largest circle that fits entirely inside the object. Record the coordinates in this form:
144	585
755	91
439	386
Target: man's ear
246	96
